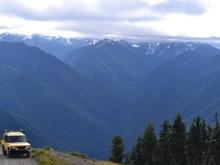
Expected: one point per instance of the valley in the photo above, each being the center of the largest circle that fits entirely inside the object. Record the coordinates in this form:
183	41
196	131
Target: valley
103	89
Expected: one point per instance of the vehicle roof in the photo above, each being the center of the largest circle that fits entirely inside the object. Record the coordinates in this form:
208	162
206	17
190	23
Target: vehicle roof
14	133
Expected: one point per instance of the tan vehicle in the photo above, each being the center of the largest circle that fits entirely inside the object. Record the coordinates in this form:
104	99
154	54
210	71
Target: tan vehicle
15	142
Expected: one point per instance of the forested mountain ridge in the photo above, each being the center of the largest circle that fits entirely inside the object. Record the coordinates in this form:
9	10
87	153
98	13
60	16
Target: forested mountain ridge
106	88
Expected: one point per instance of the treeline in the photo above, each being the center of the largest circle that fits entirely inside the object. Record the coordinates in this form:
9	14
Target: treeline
176	145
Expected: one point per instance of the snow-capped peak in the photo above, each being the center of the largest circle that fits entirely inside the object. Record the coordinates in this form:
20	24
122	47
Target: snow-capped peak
94	42
151	47
27	37
68	41
135	45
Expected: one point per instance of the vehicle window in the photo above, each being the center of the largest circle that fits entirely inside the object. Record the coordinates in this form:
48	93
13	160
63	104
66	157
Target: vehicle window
17	139
3	137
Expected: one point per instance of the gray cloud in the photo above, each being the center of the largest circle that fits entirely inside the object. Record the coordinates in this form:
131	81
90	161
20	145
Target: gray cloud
14	8
100	29
105	10
189	7
115	10
4	27
106	17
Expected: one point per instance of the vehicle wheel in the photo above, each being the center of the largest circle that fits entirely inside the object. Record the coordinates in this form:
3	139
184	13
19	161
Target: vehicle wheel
9	154
28	155
3	151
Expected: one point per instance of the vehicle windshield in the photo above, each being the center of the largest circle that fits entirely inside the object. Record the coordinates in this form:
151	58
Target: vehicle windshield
12	139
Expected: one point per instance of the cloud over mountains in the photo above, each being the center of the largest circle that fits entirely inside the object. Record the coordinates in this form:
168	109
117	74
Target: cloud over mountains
99	17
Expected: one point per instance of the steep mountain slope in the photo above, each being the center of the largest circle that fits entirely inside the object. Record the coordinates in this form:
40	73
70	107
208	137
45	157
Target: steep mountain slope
164	79
111	64
12	121
40	104
57	46
49	95
187	84
190	77
120	66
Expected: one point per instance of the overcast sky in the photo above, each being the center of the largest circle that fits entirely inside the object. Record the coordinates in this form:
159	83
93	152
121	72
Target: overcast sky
120	18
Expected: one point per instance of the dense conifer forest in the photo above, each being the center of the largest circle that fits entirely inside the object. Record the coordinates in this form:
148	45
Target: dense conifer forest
176	144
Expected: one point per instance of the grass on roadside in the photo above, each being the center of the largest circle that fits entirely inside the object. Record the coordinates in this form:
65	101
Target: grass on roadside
79	155
47	156
44	157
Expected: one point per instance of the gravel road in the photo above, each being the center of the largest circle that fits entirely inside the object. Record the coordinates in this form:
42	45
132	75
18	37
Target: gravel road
4	160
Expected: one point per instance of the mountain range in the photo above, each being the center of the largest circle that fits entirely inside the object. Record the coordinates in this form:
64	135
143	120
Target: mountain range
103	89
58	46
51	96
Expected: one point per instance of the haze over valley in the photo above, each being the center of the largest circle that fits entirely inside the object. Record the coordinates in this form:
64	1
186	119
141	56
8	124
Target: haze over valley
73	79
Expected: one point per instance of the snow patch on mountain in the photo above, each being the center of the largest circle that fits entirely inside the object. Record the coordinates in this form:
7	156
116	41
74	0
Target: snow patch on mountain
135	45
151	48
27	37
68	41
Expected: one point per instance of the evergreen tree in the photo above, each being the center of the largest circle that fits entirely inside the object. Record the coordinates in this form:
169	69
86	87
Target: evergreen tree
149	145
163	149
216	142
199	146
178	141
117	153
144	151
137	155
197	143
127	158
